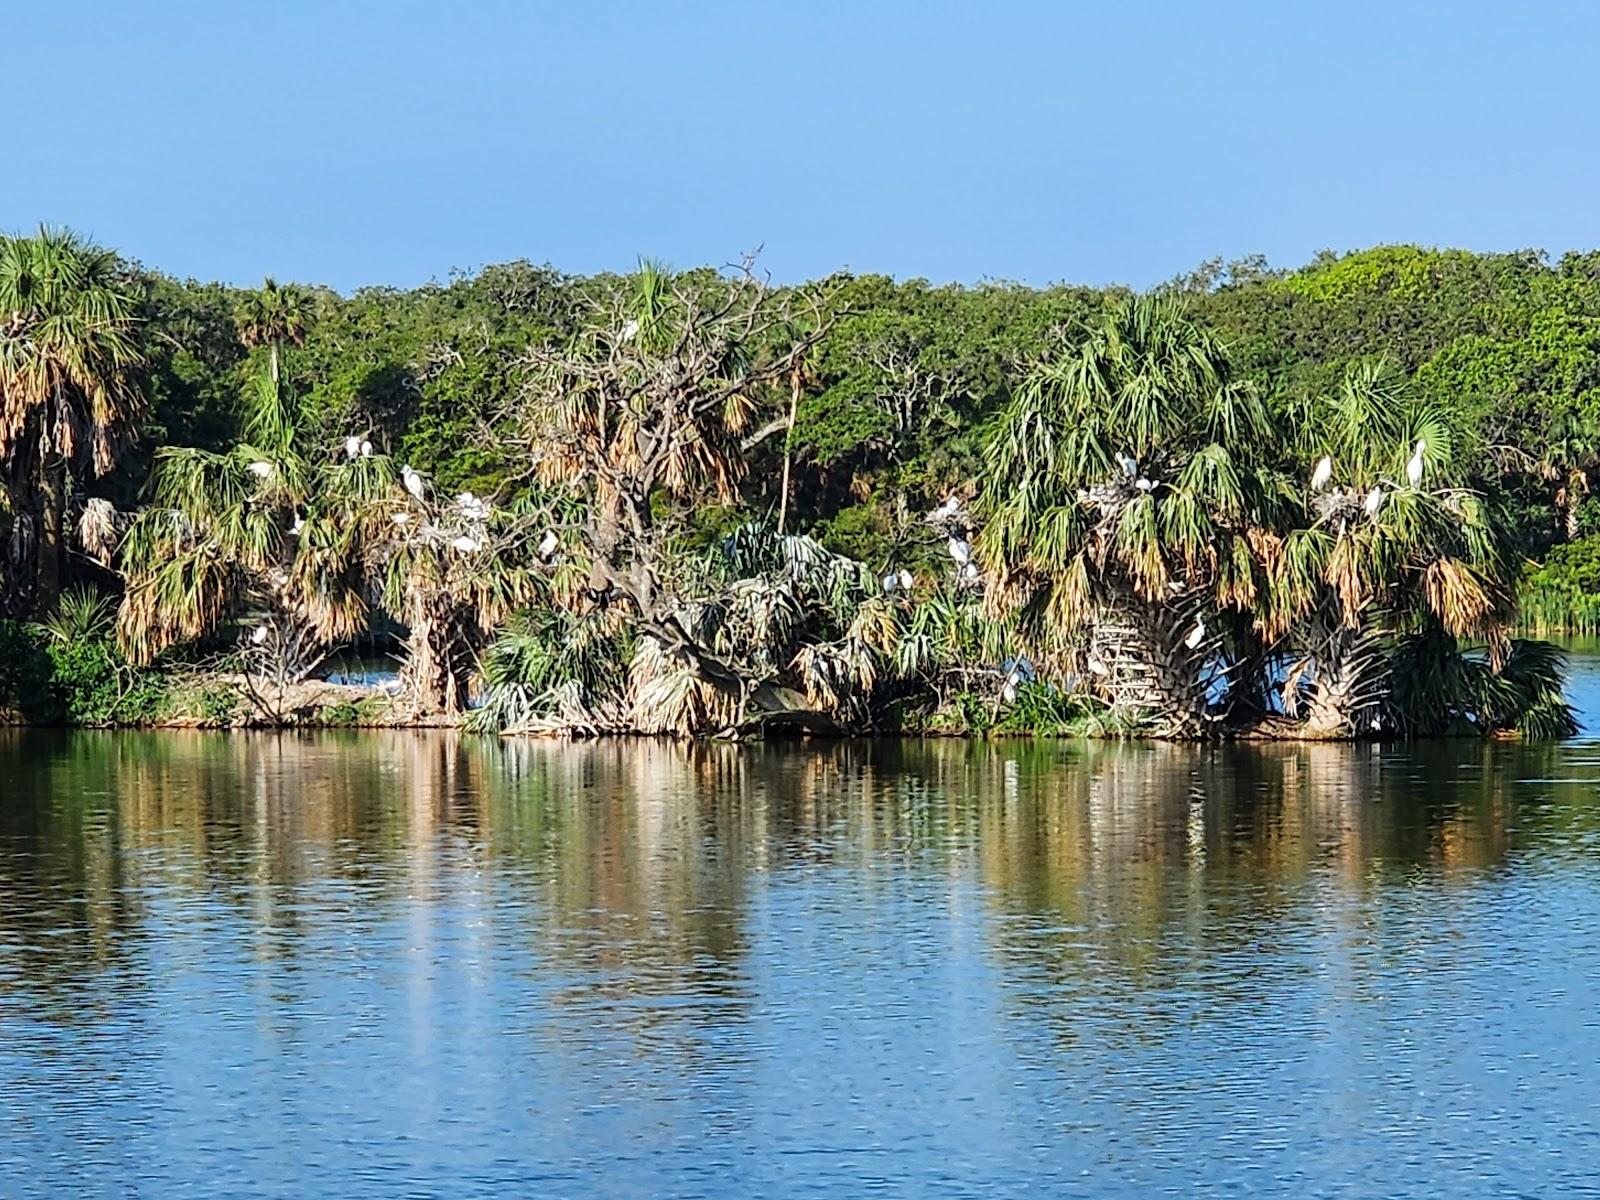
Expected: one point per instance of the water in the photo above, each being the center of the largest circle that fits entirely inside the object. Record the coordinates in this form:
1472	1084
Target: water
387	964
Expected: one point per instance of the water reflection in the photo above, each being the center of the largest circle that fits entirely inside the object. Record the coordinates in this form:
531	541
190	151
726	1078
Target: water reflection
394	960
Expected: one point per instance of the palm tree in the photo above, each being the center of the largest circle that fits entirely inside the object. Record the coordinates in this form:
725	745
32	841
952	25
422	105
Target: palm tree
273	316
1376	555
252	533
1124	495
70	399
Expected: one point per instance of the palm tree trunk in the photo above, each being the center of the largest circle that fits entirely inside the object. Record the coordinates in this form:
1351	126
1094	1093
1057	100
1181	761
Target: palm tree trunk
52	535
788	453
1150	672
437	671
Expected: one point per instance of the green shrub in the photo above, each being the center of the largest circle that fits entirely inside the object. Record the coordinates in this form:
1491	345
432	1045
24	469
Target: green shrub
25	676
1562	594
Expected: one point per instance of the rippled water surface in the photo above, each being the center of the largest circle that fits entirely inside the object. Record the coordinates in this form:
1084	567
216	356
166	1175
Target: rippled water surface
391	964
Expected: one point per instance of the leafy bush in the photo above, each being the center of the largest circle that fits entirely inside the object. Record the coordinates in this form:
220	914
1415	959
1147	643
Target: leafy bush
25	676
1562	594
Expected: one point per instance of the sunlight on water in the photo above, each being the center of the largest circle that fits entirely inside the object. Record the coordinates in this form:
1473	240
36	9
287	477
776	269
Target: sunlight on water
382	964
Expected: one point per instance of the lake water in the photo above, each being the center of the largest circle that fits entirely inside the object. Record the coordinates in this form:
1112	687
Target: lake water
394	964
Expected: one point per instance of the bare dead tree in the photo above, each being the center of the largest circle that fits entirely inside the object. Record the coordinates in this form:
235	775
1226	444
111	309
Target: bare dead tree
643	416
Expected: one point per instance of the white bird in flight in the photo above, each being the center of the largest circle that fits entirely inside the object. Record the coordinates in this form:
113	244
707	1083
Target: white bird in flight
1322	473
1414	467
413	482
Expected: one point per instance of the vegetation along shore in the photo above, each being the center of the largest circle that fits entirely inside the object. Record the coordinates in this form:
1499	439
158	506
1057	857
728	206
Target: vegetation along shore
1314	503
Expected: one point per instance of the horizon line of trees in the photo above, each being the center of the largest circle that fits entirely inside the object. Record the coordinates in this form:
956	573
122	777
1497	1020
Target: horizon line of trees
1269	502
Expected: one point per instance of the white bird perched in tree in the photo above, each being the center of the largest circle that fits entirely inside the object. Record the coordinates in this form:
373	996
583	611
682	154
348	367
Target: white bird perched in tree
969	571
960	550
258	635
473	508
1008	692
366	449
1414	467
260	469
1322	473
905	580
890	582
466	545
401	518
1098	667
299	524
548	543
949	510
352	447
1129	465
1146	485
413	482
1373	502
1197	634
630	330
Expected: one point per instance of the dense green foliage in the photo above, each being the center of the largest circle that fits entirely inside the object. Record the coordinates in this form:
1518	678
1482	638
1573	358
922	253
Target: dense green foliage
906	393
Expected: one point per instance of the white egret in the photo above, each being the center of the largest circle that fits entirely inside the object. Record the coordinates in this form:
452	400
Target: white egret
950	509
352	447
1414	467
630	330
1145	485
548	543
366	449
1197	634
260	469
413	482
258	635
1129	465
960	550
466	545
969	571
890	582
401	518
299	524
1373	502
1322	473
1098	667
905	580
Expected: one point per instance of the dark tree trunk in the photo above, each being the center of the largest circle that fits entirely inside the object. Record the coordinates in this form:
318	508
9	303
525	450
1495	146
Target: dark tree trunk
52	536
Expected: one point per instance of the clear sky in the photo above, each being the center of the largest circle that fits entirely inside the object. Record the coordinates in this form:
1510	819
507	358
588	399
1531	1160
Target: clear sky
346	143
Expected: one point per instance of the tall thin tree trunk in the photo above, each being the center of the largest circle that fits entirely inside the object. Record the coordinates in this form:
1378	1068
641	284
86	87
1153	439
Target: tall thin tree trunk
274	352
52	534
788	451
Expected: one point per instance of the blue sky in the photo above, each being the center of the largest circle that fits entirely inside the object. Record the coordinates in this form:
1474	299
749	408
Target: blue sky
349	143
